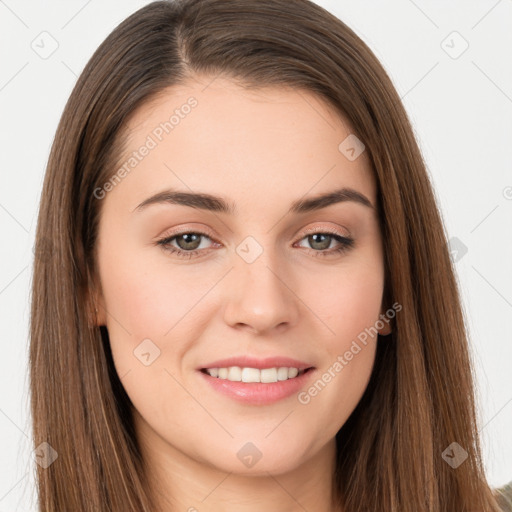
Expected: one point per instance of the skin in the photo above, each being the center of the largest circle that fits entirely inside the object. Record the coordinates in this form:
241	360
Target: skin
261	150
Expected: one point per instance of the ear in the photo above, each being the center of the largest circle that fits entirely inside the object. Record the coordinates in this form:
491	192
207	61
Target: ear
385	306
96	310
387	327
383	319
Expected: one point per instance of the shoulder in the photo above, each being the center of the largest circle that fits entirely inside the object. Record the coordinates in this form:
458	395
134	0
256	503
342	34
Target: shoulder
504	497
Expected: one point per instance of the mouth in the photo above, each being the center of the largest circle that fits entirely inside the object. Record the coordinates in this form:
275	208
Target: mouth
256	375
257	386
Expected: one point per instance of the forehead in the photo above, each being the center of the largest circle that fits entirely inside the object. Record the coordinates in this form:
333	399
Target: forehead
248	107
215	135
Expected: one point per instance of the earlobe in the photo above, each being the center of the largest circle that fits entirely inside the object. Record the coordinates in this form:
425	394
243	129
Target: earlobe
386	329
384	324
99	317
96	309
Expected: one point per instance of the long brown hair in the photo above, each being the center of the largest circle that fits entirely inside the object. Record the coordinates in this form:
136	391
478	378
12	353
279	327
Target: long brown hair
421	396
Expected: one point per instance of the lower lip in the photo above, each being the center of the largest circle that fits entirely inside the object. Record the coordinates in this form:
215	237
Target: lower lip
257	393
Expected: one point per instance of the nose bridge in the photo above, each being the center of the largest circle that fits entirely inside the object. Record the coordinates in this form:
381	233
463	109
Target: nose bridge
259	295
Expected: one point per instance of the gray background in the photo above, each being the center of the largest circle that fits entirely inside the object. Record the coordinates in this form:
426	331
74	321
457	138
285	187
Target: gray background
460	103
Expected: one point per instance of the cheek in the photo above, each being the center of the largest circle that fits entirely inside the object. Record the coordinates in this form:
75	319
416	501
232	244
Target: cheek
157	301
351	307
149	325
138	304
348	300
147	297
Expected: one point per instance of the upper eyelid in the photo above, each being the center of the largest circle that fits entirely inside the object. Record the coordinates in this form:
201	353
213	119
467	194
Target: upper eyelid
208	232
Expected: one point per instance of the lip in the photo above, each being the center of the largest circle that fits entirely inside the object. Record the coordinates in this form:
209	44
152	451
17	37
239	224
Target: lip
253	362
257	393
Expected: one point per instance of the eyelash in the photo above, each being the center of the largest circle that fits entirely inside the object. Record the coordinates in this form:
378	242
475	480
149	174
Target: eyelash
346	243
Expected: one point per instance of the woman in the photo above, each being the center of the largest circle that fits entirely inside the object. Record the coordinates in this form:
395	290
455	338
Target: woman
255	369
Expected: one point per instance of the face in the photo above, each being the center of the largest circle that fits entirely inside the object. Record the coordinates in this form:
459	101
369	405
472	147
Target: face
258	278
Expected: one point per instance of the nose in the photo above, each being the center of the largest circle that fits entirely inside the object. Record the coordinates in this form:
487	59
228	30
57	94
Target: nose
260	296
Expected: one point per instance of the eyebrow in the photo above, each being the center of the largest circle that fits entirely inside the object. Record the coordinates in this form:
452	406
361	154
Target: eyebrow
218	204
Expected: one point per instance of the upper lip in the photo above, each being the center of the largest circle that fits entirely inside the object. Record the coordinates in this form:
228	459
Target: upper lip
253	362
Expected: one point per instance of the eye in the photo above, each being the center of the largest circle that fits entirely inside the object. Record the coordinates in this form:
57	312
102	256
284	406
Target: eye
189	243
321	240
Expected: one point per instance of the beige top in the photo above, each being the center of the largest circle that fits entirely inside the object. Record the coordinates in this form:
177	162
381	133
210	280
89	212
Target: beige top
504	497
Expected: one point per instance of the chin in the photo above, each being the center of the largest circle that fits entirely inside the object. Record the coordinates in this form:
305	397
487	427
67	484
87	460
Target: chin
258	459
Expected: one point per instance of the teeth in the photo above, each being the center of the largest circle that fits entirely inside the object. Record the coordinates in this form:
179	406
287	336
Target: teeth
267	375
